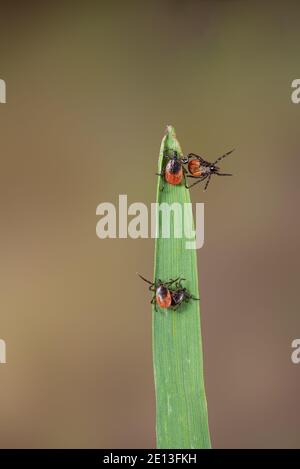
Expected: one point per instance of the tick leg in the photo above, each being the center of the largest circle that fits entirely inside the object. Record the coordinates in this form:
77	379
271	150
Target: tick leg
189	297
179	285
176	307
153	301
162	175
197	182
197	177
223	174
180	282
223	156
206	185
193	155
184	177
192	297
145	280
170	282
200	179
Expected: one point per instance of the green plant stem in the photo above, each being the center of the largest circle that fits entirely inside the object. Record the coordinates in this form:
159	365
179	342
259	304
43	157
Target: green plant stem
181	409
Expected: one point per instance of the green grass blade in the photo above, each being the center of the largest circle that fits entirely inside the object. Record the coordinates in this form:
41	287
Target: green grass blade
181	409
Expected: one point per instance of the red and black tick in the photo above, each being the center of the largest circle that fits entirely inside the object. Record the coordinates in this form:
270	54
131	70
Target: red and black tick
170	294
181	294
201	169
173	171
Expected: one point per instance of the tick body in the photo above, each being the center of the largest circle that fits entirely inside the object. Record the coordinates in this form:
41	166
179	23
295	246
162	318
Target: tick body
177	297
163	297
180	295
173	172
202	170
195	168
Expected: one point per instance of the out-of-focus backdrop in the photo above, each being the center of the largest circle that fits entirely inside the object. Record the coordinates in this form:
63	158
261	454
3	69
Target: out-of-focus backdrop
90	89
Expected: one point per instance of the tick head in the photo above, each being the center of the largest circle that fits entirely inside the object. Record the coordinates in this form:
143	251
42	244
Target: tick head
214	169
171	154
184	160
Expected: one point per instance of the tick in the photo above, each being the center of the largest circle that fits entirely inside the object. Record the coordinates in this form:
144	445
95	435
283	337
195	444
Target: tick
180	294
203	170
169	294
174	171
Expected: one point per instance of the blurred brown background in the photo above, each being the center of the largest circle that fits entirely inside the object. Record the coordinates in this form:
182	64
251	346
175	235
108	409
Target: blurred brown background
90	88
